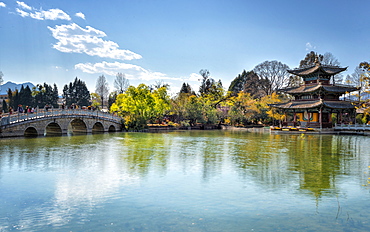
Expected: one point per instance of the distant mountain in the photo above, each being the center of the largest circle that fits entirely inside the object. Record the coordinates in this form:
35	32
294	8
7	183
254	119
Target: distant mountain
13	86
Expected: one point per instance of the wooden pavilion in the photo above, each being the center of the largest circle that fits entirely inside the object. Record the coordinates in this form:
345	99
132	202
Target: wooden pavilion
315	101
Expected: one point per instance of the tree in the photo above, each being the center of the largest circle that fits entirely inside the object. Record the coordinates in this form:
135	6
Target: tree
327	59
10	98
102	89
186	89
121	83
94	100
135	106
242	109
5	106
162	102
1	79
25	96
295	81
310	59
112	98
76	93
207	82
359	78
45	95
247	82
273	75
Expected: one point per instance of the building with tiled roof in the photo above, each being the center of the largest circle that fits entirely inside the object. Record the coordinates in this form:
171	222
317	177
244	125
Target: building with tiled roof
315	101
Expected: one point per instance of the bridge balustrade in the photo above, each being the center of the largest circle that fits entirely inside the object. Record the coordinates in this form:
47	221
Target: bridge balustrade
342	126
16	117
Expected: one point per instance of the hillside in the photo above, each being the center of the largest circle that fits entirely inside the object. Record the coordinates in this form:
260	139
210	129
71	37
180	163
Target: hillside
13	86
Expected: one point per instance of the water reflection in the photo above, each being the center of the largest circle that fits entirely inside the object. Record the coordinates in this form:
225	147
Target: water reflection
60	180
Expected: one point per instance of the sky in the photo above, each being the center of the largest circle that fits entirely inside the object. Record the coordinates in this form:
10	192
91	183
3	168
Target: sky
170	41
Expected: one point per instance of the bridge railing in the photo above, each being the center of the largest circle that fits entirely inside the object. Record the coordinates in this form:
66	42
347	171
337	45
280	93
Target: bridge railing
17	117
342	126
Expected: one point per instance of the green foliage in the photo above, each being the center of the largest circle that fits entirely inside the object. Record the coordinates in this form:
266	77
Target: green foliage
45	95
95	100
139	104
112	98
186	89
245	109
76	93
5	106
247	82
12	101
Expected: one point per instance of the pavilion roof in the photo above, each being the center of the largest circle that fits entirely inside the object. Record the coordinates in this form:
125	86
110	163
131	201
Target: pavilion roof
326	69
313	88
314	104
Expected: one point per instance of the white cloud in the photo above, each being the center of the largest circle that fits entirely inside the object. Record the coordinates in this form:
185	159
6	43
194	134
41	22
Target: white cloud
195	77
24	5
131	71
2	4
52	14
22	13
74	39
310	47
80	15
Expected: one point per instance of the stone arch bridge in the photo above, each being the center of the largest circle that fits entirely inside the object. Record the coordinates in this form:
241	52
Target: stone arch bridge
58	122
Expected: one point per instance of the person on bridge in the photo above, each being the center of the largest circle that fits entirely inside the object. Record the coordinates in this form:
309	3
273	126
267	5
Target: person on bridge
20	109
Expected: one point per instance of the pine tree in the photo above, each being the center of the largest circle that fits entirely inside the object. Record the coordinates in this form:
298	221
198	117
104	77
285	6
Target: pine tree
76	93
5	106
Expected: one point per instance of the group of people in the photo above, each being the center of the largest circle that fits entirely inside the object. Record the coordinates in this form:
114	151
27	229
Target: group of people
31	110
20	109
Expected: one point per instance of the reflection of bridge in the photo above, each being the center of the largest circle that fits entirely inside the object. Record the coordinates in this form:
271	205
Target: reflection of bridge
58	122
363	129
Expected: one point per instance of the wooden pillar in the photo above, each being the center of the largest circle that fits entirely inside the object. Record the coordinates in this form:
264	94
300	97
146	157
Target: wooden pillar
286	117
294	118
320	118
309	118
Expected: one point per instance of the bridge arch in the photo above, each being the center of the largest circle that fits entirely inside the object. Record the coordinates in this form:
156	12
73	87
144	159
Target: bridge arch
77	127
49	123
112	128
53	129
30	132
98	128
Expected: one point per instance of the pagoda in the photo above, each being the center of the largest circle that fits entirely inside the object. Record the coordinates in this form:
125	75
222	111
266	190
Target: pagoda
315	101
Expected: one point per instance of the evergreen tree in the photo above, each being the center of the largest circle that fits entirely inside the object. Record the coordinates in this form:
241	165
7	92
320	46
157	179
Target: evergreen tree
39	95
15	99
207	82
112	98
76	93
247	82
55	96
10	98
22	98
25	96
5	106
186	89
238	83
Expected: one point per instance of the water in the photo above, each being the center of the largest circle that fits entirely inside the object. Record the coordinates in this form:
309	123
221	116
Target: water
185	181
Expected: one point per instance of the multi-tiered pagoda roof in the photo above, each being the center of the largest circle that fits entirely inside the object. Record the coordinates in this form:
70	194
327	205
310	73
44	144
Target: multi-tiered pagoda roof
318	93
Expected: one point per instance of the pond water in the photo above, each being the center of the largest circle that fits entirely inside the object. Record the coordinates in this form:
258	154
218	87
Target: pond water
185	181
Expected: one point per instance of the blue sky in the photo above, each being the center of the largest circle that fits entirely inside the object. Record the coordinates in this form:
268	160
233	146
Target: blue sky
165	40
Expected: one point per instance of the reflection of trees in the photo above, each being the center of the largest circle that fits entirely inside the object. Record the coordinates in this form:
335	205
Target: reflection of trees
317	163
310	162
140	151
260	156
